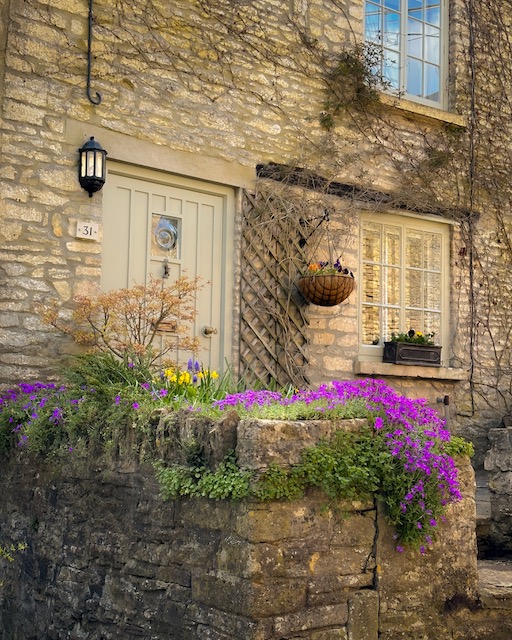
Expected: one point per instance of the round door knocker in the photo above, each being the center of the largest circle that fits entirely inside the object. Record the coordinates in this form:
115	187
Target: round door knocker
166	234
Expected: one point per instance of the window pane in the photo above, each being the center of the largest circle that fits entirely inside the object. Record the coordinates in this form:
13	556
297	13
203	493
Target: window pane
372	23
433	15
390	322
432	251
414	77
372	28
414	320
413	288
371	325
402	279
432	82
391	285
392	242
415	38
391	30
391	68
371	241
432	44
165	236
411	51
432	291
414	248
432	324
371	283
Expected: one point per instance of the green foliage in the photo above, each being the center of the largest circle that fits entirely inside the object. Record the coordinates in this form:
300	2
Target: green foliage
7	553
350	466
226	482
459	447
106	406
277	483
321	409
413	337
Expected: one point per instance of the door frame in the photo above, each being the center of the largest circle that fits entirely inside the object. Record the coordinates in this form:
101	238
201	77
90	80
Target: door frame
228	251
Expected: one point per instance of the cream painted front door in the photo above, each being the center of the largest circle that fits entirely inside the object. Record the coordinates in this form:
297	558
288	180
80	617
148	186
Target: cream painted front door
164	225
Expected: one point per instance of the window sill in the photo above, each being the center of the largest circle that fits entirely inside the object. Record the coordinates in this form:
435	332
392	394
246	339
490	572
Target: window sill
423	110
409	371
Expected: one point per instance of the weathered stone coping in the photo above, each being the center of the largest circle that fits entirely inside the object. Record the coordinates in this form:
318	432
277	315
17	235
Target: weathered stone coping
263	442
257	443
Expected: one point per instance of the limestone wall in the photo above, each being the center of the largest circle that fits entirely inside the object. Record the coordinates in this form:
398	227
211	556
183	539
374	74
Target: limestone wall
108	559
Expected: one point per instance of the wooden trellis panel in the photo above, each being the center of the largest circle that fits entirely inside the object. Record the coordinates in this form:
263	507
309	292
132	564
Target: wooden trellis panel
273	332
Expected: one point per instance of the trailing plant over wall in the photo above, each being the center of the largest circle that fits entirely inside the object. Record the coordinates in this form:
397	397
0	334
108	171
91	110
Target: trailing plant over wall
404	457
105	406
350	81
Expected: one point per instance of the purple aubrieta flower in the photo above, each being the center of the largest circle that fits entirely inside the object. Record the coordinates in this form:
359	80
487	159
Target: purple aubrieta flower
135	405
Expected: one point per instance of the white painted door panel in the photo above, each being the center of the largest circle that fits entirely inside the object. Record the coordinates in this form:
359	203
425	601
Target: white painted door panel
143	212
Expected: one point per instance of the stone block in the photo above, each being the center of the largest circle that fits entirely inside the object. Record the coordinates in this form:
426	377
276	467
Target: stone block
227	622
256	561
333	589
262	442
501	483
316	618
500	438
355	531
363	615
330	634
275	521
248	598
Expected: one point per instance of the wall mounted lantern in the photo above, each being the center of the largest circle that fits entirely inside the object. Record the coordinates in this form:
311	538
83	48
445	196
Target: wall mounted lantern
92	166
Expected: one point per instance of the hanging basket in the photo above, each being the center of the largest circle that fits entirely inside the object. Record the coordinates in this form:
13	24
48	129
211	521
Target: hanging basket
326	290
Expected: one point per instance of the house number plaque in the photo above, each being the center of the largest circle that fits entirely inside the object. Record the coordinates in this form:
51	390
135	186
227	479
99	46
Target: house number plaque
87	230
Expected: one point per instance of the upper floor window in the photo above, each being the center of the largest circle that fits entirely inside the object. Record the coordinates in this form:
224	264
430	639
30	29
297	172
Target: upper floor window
410	34
404	283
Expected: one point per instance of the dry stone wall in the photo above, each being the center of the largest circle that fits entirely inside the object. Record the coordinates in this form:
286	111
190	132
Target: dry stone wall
107	559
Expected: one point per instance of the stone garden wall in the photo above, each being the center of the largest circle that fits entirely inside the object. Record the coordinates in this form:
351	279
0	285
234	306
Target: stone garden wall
498	463
107	558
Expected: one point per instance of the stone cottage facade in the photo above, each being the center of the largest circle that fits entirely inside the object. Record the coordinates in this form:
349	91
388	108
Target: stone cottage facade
236	125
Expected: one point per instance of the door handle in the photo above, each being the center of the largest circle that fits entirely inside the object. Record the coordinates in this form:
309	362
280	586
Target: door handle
209	331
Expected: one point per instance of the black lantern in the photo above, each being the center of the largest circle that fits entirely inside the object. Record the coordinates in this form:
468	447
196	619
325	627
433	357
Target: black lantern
92	166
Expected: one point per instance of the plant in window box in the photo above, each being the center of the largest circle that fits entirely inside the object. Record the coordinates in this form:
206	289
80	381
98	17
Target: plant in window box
326	283
413	347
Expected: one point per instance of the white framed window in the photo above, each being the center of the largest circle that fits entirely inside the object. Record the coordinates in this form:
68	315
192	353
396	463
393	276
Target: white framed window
411	35
404	280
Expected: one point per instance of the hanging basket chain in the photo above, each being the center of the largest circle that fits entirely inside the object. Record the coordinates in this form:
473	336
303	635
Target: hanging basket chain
326	282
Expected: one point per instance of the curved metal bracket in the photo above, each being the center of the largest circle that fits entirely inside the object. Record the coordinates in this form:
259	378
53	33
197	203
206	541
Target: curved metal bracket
325	217
97	99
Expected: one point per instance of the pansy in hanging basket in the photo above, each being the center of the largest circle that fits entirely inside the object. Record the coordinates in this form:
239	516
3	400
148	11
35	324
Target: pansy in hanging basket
326	284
